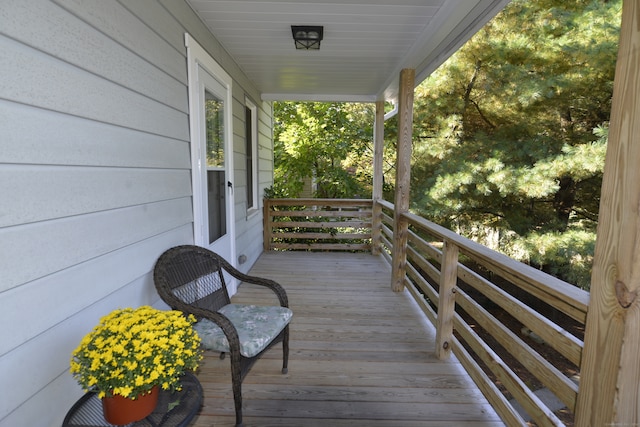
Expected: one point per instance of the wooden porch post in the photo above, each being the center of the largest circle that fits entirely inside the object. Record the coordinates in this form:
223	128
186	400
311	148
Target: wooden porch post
446	300
378	148
267	226
403	170
609	391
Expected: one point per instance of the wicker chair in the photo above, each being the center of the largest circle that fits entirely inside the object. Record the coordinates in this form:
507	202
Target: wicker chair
191	279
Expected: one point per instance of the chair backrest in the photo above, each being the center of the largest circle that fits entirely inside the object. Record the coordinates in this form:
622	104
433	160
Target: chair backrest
191	276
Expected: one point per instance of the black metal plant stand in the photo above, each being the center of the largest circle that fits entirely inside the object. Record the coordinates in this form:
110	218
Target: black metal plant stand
173	410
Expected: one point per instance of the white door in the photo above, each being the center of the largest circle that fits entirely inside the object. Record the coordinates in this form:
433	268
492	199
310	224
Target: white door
211	153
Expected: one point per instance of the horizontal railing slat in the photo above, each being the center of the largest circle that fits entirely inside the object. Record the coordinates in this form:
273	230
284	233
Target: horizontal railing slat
421	283
323	224
565	343
308	224
506	411
320	236
322	214
529	401
322	246
322	202
560	385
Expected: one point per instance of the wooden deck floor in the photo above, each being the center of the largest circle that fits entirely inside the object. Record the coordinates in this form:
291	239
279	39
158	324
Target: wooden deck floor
361	355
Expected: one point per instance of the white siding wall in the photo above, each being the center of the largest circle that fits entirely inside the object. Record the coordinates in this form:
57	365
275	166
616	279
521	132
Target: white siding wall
249	243
94	177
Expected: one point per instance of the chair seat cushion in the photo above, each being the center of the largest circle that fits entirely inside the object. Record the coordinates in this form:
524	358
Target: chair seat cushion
257	326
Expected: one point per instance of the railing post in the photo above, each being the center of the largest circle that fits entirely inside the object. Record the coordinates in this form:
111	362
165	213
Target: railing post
376	227
403	169
267	225
446	300
610	371
378	152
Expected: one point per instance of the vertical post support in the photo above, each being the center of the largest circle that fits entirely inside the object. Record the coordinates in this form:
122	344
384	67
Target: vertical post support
267	226
378	152
403	171
610	373
446	300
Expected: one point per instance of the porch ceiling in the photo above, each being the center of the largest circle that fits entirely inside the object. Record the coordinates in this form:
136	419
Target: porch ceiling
366	42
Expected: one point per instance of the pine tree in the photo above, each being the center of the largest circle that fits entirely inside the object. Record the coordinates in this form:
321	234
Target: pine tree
510	133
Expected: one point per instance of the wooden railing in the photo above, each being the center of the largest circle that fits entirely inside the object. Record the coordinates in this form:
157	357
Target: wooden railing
514	328
317	224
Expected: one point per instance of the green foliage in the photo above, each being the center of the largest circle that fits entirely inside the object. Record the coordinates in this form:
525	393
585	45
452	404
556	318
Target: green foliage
510	133
330	143
274	192
568	255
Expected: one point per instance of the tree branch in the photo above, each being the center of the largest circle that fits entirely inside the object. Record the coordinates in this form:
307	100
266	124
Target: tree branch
467	92
482	116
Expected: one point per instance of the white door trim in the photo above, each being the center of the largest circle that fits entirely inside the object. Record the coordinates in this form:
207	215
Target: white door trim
197	60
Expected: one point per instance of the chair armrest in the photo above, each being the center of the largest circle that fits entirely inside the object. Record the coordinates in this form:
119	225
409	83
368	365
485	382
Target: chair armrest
271	284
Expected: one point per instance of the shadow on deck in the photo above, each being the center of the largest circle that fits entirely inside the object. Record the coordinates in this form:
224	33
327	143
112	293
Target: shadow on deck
361	355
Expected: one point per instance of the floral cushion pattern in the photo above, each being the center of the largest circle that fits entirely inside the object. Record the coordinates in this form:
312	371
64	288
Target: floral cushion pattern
257	326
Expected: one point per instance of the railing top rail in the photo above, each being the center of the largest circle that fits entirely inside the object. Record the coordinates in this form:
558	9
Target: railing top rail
384	203
551	285
312	201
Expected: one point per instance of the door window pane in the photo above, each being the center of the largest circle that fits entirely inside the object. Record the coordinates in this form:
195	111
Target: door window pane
214	114
216	180
216	191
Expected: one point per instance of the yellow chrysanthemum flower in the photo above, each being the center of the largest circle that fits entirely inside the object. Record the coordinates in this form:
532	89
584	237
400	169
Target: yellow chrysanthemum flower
131	350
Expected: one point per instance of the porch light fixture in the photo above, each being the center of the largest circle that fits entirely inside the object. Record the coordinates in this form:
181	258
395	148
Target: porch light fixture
307	37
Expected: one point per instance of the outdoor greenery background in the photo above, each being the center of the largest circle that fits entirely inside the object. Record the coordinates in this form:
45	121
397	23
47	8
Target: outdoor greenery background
509	136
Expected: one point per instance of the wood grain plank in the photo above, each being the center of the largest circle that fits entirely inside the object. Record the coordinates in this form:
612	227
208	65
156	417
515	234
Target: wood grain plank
221	421
361	355
609	392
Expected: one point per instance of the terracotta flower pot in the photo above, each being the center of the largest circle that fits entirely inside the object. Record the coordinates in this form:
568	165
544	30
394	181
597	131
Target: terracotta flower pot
121	410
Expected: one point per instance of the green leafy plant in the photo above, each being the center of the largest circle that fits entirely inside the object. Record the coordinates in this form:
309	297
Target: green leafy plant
132	350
